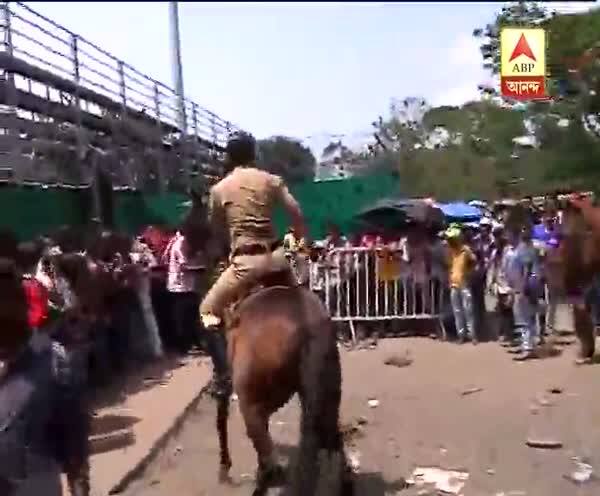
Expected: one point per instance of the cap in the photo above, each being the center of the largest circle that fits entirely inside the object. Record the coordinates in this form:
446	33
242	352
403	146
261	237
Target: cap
452	232
54	251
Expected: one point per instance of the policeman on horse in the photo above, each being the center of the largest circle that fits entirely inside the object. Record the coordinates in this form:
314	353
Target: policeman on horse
243	202
280	340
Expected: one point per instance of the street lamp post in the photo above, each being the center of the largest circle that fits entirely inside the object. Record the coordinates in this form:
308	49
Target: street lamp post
176	63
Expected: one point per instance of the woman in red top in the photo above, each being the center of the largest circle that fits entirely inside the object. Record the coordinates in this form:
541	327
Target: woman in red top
35	293
37	301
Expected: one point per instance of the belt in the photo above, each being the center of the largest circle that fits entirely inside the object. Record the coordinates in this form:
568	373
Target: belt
256	248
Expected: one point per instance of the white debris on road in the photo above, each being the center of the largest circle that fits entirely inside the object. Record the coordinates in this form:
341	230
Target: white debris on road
583	472
354	460
446	481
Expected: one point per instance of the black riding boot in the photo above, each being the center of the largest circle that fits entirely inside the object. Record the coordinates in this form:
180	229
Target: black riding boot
217	349
80	487
79	479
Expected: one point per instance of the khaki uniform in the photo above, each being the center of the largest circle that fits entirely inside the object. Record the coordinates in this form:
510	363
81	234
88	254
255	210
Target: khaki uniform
244	201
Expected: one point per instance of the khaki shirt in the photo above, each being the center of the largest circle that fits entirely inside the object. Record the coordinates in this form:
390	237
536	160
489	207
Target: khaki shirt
244	201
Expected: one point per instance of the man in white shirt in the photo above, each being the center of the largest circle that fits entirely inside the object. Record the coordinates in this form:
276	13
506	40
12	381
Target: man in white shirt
144	261
181	286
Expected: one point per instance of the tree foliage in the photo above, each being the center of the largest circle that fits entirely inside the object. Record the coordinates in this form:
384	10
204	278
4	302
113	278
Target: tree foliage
522	14
286	157
572	56
474	154
566	127
491	148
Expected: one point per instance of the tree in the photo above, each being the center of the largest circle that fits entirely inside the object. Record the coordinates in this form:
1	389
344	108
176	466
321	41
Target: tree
523	14
573	60
336	150
403	129
460	152
340	161
572	55
480	147
286	157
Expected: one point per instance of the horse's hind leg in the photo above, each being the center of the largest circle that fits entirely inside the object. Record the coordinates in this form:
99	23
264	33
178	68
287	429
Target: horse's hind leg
256	419
222	419
322	467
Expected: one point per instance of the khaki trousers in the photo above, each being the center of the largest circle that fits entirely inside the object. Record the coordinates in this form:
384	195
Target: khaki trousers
242	274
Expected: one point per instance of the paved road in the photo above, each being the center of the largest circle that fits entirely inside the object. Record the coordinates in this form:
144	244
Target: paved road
424	419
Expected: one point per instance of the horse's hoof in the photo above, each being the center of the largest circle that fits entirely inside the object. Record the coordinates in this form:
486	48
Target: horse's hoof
348	485
224	477
277	473
271	476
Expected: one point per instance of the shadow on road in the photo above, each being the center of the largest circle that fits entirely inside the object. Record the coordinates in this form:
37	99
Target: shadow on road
365	484
108	423
111	432
146	376
112	442
373	484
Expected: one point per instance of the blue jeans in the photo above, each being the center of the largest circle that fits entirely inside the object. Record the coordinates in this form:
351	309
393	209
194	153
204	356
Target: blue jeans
461	300
525	320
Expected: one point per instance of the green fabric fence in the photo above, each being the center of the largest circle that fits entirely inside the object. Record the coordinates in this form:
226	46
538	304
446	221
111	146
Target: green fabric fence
133	210
31	211
338	201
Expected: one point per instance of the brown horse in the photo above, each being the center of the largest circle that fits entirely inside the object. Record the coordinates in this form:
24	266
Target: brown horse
281	341
579	252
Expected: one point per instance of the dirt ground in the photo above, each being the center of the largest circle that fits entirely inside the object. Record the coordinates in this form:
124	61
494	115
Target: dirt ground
424	418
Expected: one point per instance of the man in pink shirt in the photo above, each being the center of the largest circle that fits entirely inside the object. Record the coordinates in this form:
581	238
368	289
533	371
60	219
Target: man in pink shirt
368	240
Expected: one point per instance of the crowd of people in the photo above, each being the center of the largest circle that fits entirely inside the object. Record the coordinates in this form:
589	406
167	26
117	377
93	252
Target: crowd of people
90	307
512	253
81	307
121	299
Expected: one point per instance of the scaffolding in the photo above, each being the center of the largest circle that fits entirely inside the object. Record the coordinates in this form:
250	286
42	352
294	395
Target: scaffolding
70	111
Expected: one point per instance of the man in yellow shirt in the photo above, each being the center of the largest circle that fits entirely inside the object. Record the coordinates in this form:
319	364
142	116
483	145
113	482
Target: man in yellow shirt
461	262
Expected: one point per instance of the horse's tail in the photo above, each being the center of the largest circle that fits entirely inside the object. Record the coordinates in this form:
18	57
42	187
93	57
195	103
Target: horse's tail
321	445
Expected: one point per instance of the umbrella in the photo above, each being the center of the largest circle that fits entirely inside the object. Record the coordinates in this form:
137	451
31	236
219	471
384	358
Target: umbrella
381	216
422	212
460	212
402	212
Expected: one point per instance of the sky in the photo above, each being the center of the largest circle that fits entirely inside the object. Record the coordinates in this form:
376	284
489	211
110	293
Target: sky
306	70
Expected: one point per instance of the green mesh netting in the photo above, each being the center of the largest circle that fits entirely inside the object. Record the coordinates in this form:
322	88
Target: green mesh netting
338	201
134	210
32	211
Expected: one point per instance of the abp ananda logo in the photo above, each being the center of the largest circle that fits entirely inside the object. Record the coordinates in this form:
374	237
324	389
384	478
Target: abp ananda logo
523	63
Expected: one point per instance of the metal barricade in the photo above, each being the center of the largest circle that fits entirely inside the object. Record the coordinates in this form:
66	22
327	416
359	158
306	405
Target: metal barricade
374	284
